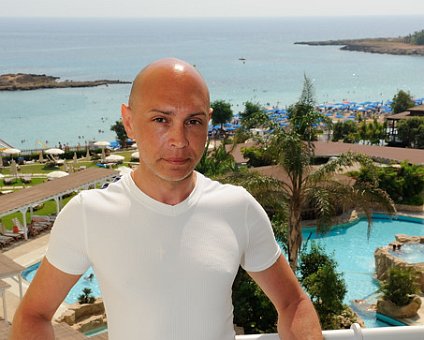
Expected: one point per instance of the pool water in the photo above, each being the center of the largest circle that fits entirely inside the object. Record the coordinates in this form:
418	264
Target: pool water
84	282
352	250
354	253
410	252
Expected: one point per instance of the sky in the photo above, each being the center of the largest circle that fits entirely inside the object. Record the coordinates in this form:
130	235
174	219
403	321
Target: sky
211	8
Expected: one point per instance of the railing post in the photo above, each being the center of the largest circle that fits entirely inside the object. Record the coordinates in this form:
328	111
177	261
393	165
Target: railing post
357	331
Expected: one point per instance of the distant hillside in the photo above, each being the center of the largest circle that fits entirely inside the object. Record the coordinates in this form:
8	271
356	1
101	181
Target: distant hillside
397	46
21	81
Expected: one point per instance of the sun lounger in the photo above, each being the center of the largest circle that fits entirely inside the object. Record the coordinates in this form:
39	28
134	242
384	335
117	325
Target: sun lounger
5	241
26	179
9	180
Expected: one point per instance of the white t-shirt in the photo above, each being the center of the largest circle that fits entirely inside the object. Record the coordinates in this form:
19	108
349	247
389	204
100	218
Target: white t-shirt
165	272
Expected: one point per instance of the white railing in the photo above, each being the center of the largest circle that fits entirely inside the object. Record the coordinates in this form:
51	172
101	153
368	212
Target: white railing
357	333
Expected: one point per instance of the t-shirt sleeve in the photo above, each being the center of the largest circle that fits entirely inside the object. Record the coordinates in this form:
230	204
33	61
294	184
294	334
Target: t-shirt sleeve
262	249
67	249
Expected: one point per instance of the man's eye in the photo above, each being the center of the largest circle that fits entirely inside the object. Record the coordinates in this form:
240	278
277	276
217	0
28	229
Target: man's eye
160	120
194	122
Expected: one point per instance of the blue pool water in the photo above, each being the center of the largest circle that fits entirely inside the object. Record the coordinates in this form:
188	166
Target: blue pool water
72	297
354	253
411	253
352	250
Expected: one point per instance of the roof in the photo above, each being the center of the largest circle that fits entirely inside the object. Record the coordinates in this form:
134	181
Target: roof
27	197
328	149
413	112
412	156
8	267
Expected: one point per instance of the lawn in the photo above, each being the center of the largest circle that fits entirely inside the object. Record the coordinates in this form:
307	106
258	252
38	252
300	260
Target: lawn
48	208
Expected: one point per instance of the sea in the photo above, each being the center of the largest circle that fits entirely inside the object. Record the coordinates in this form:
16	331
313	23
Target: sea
242	59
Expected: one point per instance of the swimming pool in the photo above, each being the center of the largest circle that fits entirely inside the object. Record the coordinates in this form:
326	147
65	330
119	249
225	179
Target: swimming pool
72	297
410	252
352	251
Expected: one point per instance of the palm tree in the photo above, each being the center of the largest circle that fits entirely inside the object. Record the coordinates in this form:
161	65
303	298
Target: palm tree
308	188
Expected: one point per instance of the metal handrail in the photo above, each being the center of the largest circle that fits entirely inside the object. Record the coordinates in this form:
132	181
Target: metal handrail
357	333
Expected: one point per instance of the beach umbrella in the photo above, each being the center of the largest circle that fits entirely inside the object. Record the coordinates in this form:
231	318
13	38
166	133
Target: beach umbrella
102	144
1	175
74	161
114	158
56	174
54	152
13	168
134	145
1	161
124	170
135	155
11	151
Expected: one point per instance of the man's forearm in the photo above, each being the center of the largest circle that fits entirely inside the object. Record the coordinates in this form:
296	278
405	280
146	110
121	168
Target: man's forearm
300	322
31	328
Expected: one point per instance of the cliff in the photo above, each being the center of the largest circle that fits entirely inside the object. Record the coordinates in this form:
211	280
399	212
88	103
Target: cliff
379	45
21	81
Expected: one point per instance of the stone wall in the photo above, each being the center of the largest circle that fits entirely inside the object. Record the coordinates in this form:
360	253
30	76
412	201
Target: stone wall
85	317
384	260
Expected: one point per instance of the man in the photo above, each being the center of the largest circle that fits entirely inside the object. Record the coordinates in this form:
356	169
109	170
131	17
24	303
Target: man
165	241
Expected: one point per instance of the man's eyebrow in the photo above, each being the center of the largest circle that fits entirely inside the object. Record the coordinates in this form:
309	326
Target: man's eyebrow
200	113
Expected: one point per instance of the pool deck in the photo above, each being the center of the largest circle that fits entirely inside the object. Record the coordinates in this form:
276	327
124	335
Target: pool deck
25	254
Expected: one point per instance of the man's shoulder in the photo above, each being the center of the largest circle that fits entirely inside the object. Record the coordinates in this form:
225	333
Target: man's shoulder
115	190
214	187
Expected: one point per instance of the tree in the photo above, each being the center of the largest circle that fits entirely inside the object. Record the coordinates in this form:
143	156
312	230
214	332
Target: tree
320	191
308	189
325	286
222	112
402	101
347	131
86	296
252	309
404	185
254	116
121	134
216	162
411	132
303	116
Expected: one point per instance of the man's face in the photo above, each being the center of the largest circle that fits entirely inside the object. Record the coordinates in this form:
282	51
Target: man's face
169	121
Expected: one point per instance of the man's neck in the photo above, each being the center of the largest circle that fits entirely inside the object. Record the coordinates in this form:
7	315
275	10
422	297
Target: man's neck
164	191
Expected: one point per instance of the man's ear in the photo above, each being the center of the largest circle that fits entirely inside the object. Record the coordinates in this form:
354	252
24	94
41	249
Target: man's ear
127	120
210	113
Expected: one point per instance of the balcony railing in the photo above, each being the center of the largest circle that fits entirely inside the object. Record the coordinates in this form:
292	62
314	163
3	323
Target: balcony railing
357	333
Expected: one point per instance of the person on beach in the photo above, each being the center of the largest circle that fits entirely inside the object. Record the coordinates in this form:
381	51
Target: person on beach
165	241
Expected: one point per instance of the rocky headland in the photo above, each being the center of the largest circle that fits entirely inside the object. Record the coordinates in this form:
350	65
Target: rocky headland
22	81
395	46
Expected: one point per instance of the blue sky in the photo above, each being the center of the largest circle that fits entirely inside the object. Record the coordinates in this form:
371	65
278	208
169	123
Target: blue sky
211	8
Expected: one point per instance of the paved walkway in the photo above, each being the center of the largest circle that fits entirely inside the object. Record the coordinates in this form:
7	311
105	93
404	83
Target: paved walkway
26	254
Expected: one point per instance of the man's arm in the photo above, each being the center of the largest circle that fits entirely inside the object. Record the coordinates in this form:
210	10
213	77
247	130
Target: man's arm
297	318
46	292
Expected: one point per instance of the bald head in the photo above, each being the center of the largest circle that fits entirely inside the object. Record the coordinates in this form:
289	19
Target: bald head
167	71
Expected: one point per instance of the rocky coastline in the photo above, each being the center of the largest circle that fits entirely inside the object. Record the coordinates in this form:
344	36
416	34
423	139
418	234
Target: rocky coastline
395	46
25	82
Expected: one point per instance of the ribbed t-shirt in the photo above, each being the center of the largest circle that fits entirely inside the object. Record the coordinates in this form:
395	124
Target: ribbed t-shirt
165	272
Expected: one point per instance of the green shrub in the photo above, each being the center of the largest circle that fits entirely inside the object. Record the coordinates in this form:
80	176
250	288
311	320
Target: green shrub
399	286
325	286
86	296
252	309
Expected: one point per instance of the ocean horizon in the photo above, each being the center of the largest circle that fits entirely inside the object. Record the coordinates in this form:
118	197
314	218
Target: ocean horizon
271	74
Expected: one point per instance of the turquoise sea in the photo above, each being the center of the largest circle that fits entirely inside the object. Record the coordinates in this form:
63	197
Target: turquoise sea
89	49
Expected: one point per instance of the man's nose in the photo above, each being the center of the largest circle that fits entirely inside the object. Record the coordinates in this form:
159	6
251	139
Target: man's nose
178	136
